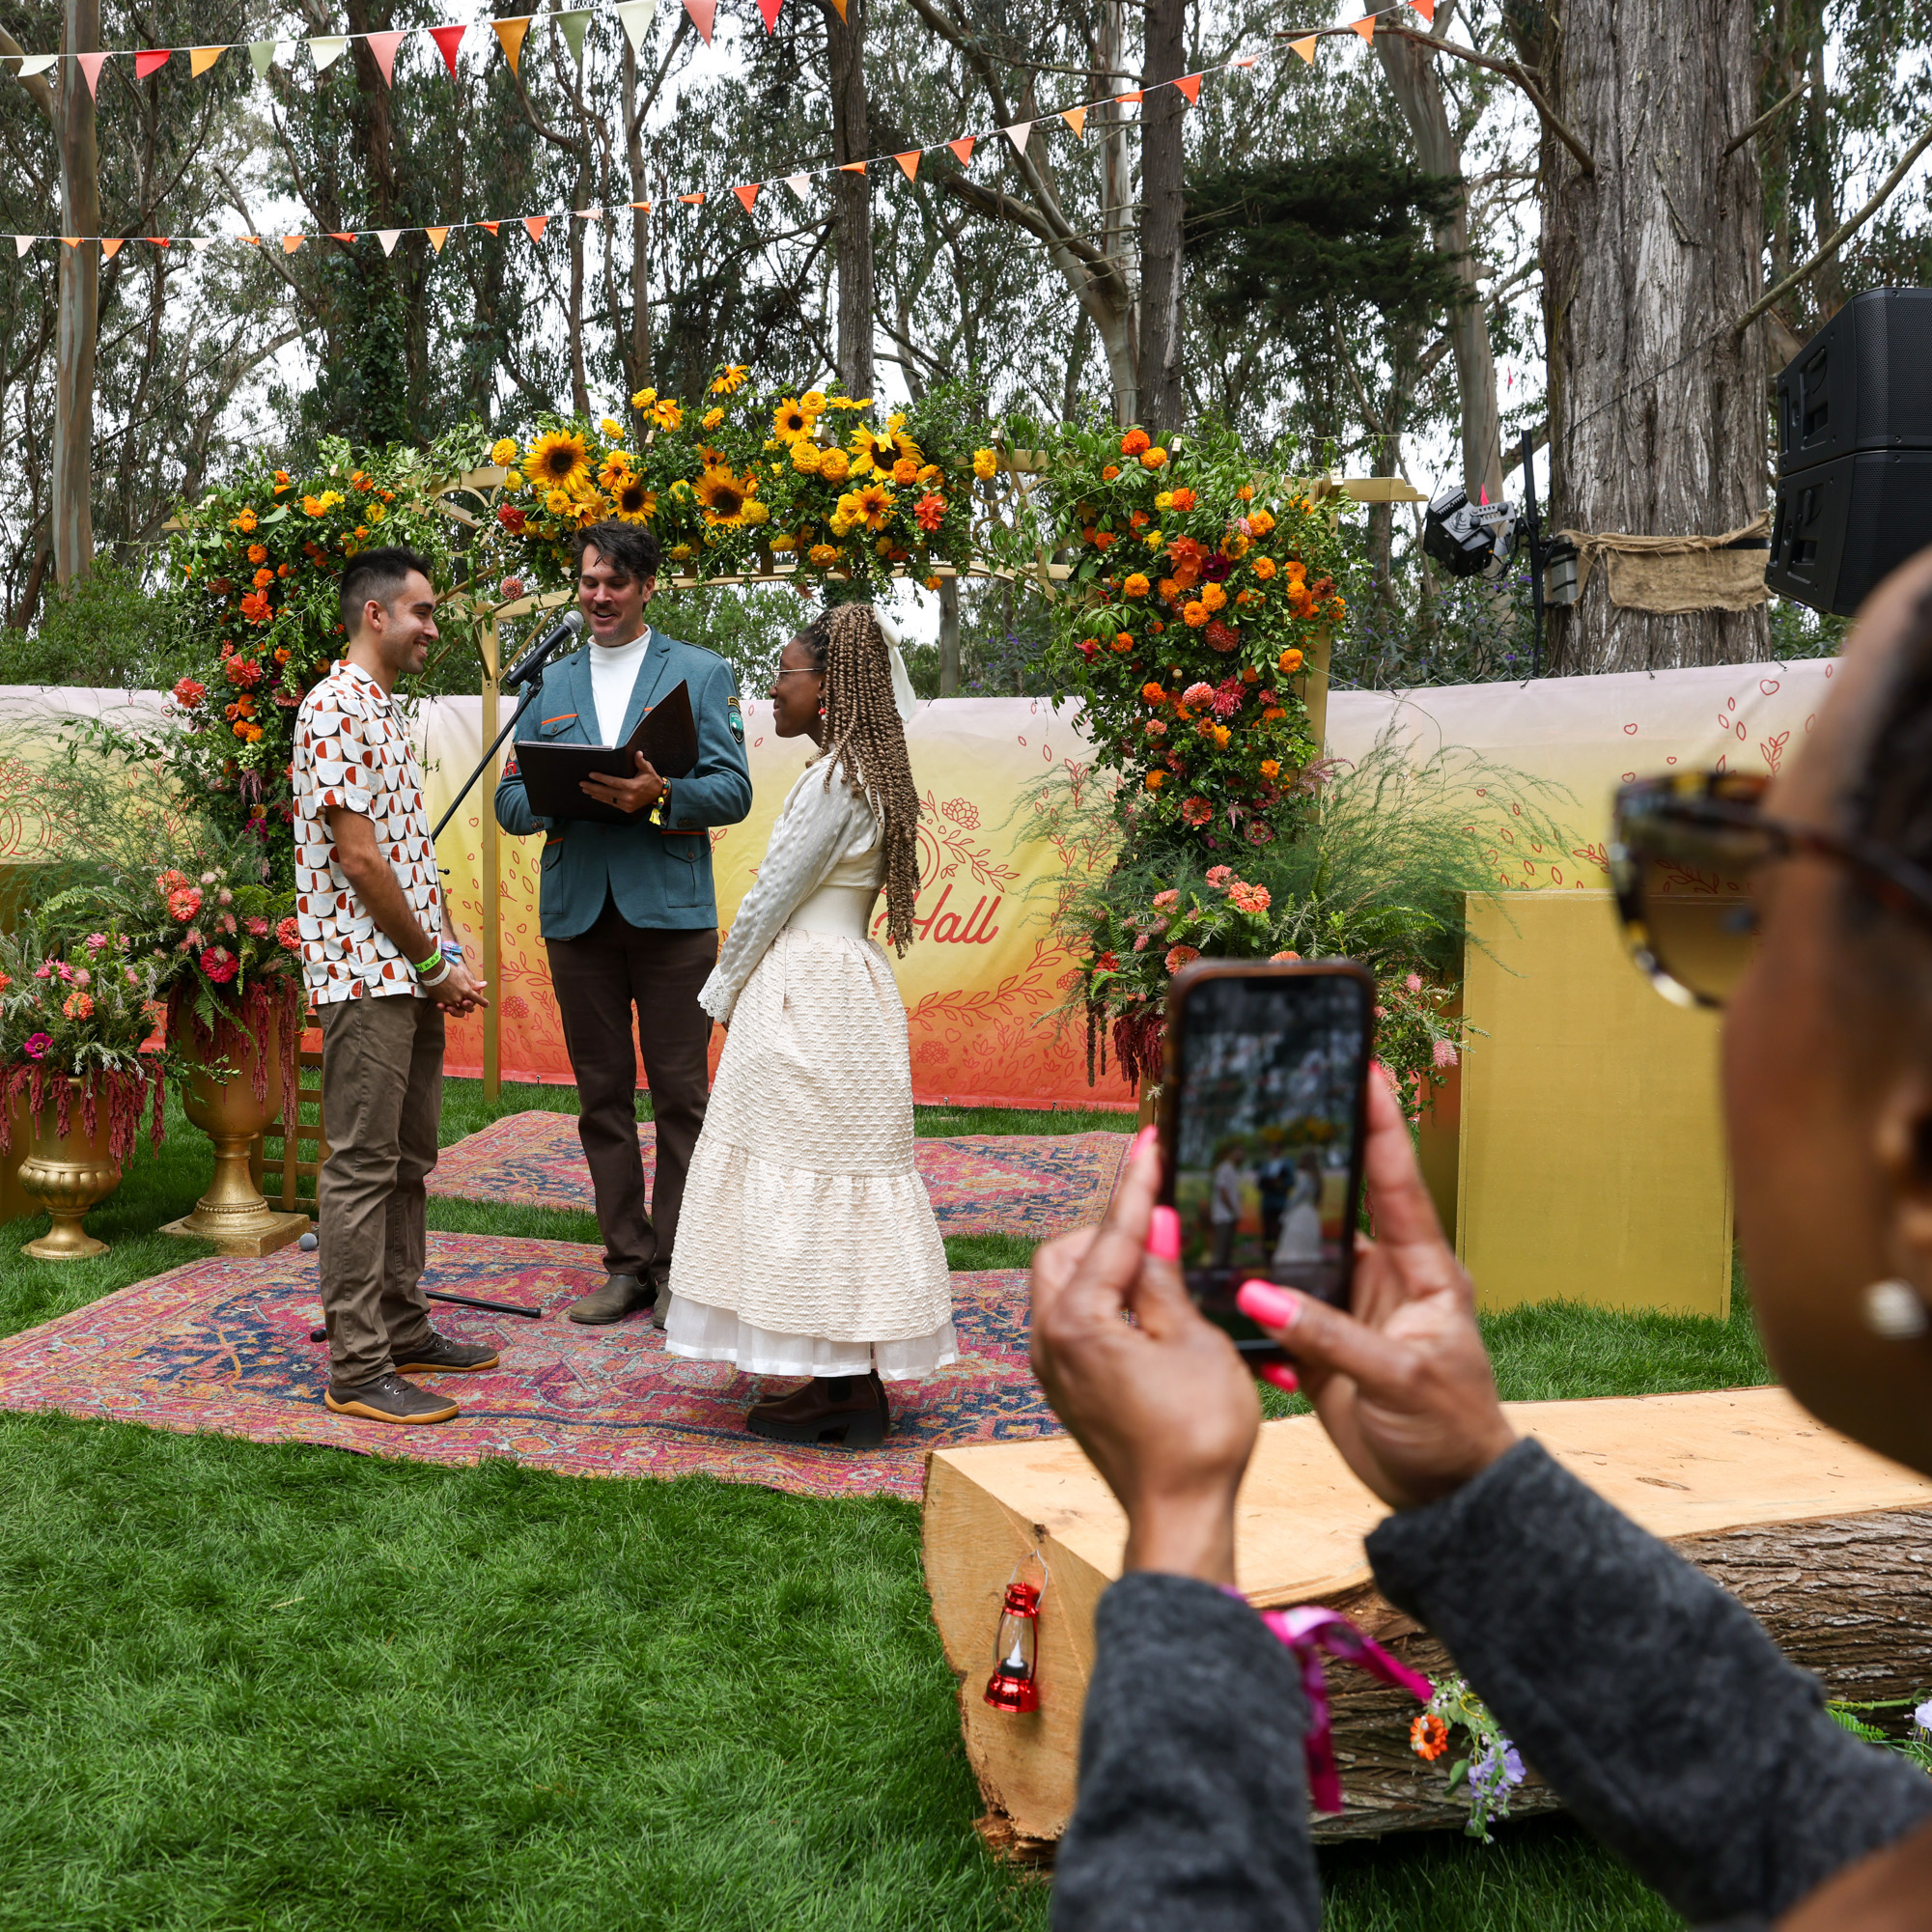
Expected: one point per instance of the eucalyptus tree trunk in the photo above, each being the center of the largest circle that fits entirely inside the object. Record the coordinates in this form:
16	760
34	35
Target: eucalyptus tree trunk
1657	407
851	197
638	362
949	637
1163	160
78	300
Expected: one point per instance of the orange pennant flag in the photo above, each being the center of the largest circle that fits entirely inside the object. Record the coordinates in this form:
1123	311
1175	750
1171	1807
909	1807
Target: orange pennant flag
111	246
962	148
1426	8
1365	26
642	207
1190	84
694	200
72	241
535	224
437	236
909	162
840	5
253	241
1305	48
509	33
747	194
201	59
340	235
492	226
1128	98
852	167
1075	118
159	240
290	243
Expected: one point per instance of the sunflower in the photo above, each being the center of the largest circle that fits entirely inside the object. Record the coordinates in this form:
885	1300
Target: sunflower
791	420
669	415
872	505
593	509
633	500
616	470
732	380
725	496
556	459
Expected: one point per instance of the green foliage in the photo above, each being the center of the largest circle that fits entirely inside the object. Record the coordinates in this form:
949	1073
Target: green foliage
1798	631
103	631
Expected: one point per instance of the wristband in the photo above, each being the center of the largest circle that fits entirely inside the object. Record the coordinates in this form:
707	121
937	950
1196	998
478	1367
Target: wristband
434	978
420	967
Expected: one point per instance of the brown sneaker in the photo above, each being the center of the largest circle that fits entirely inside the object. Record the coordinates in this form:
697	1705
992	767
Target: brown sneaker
847	1409
619	1295
439	1356
388	1399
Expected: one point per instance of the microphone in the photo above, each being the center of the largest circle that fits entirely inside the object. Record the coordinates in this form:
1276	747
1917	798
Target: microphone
566	630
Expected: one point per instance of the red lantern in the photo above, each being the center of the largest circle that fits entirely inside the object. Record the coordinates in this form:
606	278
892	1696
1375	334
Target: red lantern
1013	1685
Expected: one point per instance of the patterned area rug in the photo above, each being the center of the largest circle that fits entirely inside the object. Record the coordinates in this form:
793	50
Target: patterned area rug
223	1346
1032	1185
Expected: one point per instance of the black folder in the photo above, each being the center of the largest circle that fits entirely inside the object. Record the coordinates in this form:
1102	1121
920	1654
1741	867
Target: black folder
552	771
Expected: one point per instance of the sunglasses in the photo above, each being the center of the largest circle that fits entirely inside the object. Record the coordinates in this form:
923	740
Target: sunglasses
1683	854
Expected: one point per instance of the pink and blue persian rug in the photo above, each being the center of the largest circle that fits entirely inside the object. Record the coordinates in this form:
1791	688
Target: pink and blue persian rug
222	1346
1031	1185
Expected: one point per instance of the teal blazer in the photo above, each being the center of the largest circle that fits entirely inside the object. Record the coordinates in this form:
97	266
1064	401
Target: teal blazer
658	875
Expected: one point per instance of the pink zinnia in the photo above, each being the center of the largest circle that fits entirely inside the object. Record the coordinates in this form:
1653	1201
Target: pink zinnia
220	964
1249	898
1197	695
1197	811
1163	900
1218	876
289	933
1180	956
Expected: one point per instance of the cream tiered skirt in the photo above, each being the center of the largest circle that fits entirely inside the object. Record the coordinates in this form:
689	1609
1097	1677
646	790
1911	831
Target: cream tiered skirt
806	1245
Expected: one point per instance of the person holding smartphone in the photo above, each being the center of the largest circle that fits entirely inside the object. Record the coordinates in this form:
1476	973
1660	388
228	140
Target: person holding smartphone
1649	1699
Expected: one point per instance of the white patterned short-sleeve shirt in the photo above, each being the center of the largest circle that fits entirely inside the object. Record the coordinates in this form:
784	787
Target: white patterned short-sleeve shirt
351	750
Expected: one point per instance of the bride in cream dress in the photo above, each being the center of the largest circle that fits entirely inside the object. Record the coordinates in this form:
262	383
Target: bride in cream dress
806	1246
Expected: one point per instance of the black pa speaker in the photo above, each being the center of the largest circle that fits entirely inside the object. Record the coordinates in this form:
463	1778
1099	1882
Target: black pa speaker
1854	452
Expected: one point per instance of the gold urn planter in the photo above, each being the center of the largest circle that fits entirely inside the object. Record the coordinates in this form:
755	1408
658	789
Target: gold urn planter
233	1212
67	1174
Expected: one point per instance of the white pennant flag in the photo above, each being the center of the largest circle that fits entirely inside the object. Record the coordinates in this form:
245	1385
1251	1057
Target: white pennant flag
388	237
328	51
24	242
798	183
33	64
636	16
1018	135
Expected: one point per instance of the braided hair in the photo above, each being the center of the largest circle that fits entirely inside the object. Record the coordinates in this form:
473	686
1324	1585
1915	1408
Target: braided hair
863	734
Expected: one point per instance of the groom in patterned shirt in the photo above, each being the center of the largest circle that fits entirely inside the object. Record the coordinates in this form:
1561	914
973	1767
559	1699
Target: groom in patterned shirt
370	909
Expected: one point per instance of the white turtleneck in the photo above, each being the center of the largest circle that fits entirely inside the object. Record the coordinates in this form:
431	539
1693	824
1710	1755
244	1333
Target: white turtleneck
613	677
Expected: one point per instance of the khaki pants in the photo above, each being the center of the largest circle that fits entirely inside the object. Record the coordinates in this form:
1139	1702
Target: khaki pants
383	1098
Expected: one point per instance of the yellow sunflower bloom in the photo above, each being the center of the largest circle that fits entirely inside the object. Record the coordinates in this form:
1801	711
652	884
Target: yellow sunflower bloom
725	495
732	380
557	458
669	415
503	451
791	420
615	470
874	505
633	501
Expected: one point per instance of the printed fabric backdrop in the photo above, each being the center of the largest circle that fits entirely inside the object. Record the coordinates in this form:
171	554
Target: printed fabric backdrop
983	978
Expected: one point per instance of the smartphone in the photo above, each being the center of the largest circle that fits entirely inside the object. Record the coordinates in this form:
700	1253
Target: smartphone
1263	1119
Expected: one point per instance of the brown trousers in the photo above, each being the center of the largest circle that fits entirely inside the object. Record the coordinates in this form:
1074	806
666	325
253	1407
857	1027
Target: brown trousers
599	978
382	1099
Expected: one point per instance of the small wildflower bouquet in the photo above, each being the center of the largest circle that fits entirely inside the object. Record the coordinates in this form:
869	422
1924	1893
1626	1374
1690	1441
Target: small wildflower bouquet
1490	1767
74	1014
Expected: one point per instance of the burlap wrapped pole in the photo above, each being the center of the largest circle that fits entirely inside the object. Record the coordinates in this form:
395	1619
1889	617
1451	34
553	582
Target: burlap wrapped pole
1670	575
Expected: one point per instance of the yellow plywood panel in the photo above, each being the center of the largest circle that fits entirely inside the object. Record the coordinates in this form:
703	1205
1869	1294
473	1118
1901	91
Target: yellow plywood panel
1591	1154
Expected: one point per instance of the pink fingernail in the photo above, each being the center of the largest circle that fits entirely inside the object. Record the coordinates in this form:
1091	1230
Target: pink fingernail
1281	1376
1264	1303
1163	1235
1141	1141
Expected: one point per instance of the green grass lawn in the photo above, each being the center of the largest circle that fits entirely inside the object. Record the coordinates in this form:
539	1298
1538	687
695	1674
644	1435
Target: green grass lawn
247	1685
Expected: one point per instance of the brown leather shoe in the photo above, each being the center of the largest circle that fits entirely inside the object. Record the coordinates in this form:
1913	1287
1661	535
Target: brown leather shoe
847	1409
439	1356
619	1295
388	1399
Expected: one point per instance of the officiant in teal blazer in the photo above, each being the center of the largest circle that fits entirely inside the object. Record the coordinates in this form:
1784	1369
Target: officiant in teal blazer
629	912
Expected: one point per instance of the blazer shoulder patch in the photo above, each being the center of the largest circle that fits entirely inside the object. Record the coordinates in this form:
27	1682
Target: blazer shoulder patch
735	716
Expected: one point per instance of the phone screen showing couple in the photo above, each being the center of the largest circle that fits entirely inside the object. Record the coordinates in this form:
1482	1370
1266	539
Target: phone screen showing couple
1265	1129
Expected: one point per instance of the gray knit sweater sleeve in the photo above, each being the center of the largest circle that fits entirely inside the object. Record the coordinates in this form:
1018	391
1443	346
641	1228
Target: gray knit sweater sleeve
1650	1699
1193	1805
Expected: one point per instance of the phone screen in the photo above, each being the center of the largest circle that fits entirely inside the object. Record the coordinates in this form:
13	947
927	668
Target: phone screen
1264	1153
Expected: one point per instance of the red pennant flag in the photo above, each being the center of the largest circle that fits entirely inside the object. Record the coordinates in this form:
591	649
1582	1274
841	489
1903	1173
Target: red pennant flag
448	39
1190	84
908	161
704	15
383	46
695	199
111	246
963	148
769	10
536	225
91	66
159	240
492	226
146	64
1365	26
747	194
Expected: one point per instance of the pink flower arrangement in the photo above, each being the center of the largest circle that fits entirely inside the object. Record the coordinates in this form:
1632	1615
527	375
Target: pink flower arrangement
1180	956
1218	876
220	964
1246	898
184	903
1163	900
36	1045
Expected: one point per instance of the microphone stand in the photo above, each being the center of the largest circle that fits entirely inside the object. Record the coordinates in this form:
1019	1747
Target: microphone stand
532	681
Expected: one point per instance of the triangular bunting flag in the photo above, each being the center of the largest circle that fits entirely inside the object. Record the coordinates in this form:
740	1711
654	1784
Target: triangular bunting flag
328	51
492	226
588	213
642	207
1018	135
769	9
291	242
337	234
693	200
144	64
383	46
798	183
1426	8
747	194
1247	59
574	23
110	245
158	240
448	39
1190	84
24	242
437	236
909	162
72	241
962	148
1365	26
852	167
635	15
262	53
91	66
253	241
840	5
704	12
388	237
534	225
30	66
1305	48
1128	100
1075	118
510	35
201	59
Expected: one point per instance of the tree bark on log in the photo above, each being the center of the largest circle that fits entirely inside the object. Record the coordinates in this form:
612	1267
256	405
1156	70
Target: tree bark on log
79	304
1658	415
851	197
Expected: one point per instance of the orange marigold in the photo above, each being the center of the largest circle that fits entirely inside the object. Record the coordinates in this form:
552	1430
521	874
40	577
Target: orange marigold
1264	567
1109	472
1271	767
1183	498
1196	615
1246	492
1260	523
1289	662
1135	585
1134	442
1168	587
1213	595
1123	641
1156	779
1153	459
258	553
1152	694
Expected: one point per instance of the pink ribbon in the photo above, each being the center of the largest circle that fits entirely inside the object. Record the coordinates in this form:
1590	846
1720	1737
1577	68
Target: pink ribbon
1309	1631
